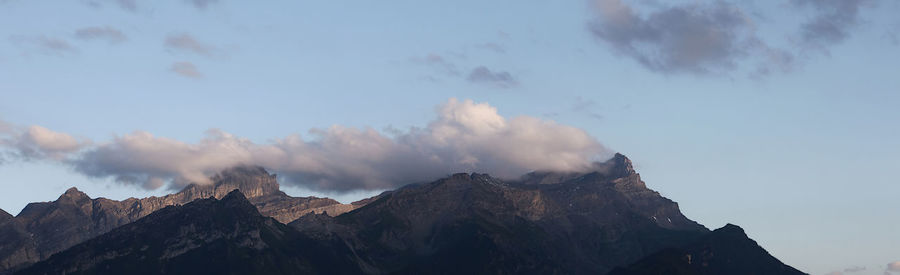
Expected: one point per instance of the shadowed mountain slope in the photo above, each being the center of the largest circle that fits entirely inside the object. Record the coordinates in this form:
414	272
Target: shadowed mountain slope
726	250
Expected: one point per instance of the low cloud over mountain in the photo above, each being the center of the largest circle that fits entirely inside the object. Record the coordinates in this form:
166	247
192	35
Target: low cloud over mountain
465	136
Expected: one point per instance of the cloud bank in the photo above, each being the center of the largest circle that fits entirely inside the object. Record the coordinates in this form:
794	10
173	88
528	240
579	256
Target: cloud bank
696	38
465	136
717	37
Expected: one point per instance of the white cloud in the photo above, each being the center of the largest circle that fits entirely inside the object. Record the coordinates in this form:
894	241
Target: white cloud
36	142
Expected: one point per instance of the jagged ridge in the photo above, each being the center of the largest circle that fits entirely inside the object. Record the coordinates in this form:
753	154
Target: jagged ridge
207	236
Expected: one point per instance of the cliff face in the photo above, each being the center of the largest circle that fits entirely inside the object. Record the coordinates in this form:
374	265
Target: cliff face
42	229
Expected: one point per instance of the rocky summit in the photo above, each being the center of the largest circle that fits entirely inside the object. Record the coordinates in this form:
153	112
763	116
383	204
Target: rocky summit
604	221
45	228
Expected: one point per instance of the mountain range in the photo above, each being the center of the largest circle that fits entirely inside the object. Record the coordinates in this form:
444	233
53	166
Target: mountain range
45	228
597	222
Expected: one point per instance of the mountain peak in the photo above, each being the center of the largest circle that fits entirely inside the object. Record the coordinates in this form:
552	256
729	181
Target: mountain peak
620	165
237	201
253	181
731	229
73	194
234	195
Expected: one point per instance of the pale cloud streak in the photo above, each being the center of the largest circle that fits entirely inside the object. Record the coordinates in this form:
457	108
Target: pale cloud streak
201	4
186	69
109	34
187	43
44	44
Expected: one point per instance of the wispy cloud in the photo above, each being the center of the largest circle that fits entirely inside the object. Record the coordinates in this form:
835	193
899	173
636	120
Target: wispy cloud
129	5
491	46
186	69
832	22
201	4
187	43
110	34
438	63
586	107
44	44
483	75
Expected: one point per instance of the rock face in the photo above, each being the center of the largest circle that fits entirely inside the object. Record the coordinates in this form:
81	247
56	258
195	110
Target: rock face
545	223
207	236
42	229
726	250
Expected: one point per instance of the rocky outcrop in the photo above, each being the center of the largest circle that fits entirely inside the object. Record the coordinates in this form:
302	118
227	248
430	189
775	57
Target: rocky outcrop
207	236
45	228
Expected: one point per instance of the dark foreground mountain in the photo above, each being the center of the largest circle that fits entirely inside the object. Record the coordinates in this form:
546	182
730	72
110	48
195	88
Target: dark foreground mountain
544	223
726	250
45	228
207	236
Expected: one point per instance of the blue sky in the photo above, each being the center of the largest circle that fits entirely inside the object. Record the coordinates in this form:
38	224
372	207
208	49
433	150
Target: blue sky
780	117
